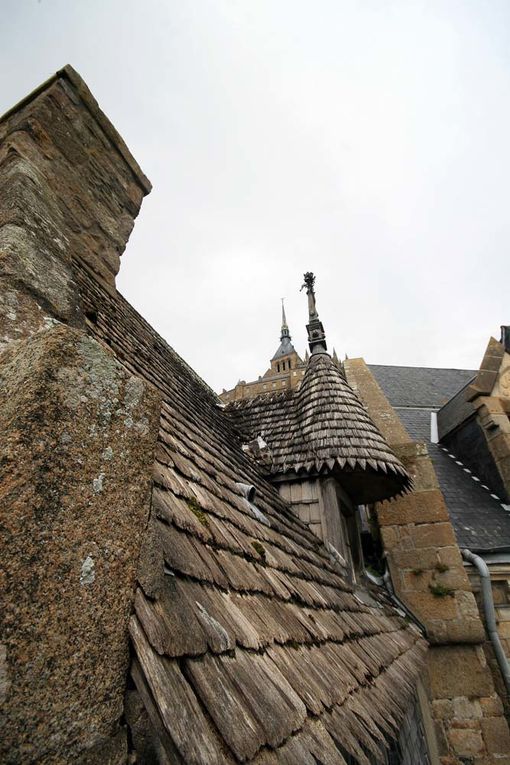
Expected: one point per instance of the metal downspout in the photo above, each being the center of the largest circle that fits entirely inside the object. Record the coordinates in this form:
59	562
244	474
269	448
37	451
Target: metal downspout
490	615
387	581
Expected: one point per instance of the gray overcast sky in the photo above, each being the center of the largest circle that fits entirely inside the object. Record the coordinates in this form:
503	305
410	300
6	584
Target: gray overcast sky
366	140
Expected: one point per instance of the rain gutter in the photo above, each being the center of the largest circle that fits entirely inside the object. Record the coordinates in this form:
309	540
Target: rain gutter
490	614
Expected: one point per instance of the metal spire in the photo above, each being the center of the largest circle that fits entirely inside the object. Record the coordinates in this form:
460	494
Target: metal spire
316	334
285	328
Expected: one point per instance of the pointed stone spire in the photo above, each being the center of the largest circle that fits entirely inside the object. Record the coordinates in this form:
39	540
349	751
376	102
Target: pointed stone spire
316	334
335	357
285	328
286	346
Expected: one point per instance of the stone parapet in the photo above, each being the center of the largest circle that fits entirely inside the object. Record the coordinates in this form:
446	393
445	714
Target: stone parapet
487	375
493	417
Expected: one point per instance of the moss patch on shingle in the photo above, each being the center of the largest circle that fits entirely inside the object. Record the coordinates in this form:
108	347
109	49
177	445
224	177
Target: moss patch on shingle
197	511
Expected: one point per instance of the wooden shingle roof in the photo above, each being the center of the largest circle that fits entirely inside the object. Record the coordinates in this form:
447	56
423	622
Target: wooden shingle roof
248	644
323	425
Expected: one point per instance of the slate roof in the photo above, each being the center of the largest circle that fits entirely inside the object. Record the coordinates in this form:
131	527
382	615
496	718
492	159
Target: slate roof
249	646
417	423
284	349
420	386
323	425
480	521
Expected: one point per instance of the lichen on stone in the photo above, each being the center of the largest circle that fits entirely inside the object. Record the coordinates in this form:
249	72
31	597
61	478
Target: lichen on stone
97	484
87	575
134	392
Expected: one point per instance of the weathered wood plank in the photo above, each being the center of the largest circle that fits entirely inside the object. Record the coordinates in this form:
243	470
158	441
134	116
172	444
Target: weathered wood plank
177	705
249	699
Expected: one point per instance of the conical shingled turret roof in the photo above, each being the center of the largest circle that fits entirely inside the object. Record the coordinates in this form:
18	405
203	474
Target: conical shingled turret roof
335	429
323	426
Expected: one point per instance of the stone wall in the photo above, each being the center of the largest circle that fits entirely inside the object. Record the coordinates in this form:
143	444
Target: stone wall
78	433
423	556
270	383
500	581
428	575
77	448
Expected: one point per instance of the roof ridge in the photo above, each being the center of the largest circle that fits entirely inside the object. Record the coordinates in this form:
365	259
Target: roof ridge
420	366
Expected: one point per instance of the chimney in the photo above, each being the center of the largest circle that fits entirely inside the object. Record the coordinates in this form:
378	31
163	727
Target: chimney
70	191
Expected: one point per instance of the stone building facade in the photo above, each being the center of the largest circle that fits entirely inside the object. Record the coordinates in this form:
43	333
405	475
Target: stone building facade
285	373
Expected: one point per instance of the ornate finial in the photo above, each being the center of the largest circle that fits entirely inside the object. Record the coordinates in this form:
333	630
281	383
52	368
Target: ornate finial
316	334
309	283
